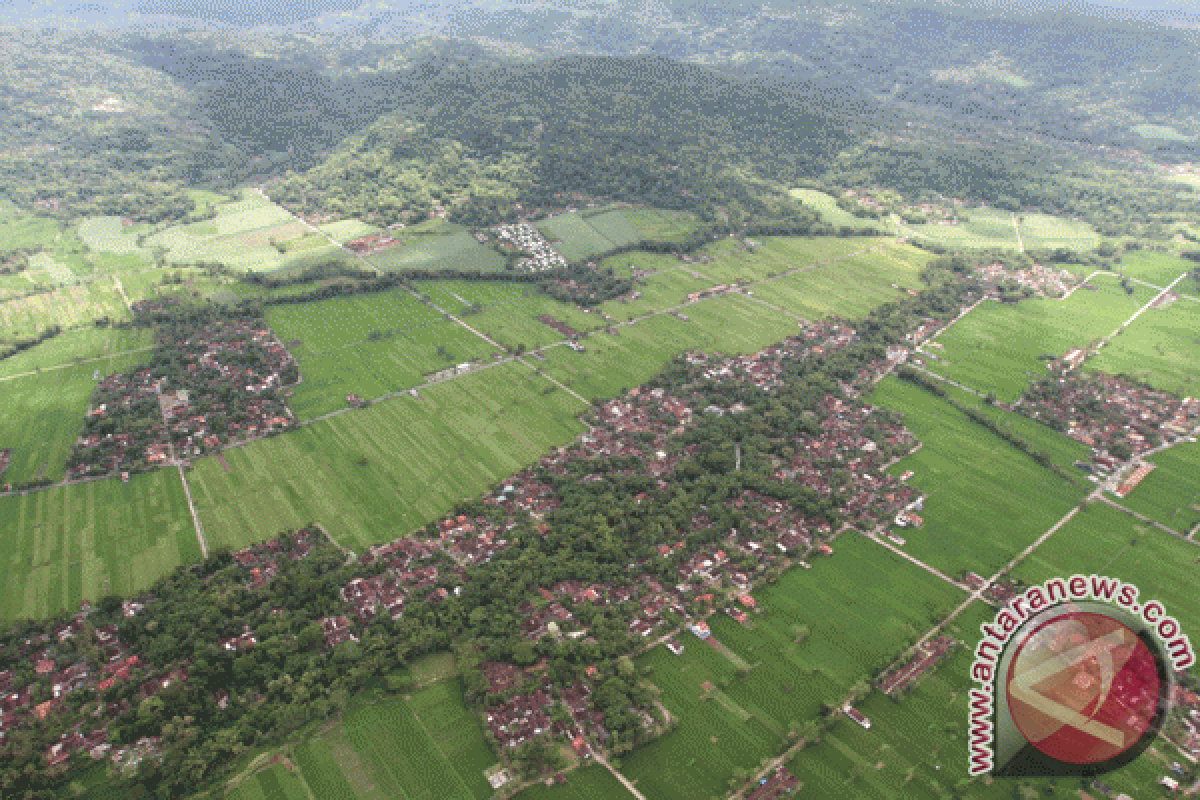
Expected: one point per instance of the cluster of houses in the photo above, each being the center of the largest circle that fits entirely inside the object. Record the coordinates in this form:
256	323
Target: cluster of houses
139	418
926	659
523	705
72	656
778	785
261	561
1186	703
536	253
1043	280
1113	416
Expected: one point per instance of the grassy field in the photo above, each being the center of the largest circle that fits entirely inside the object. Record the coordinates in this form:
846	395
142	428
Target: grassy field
586	783
661	225
1043	231
276	783
657	292
827	207
578	239
977	227
849	287
508	312
997	346
423	746
371	476
18	229
616	227
454	251
978	509
107	234
1171	493
787	681
625	263
75	345
774	255
1161	347
63	545
1109	542
344	230
66	307
369	345
614	362
1156	268
42	414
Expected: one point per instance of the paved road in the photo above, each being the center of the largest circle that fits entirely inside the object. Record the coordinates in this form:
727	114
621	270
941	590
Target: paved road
187	491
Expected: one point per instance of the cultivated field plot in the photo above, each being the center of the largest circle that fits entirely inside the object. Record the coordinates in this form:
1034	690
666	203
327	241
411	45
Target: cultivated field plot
1161	347
917	748
66	307
662	225
344	230
1043	231
827	207
18	229
239	236
510	311
1107	541
580	237
423	745
75	346
774	255
849	287
586	783
997	346
371	476
862	587
657	292
1171	493
64	545
985	500
109	235
713	738
455	251
369	345
615	362
625	263
977	227
1156	268
276	783
53	270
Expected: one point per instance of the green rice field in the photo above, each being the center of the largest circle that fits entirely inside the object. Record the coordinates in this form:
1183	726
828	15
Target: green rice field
978	508
657	292
1171	493
508	312
454	251
849	287
279	782
773	256
579	237
64	545
1043	231
344	230
1106	541
1152	267
107	234
592	782
625	263
662	225
1161	347
977	227
373	475
18	229
74	346
369	345
787	681
997	346
827	207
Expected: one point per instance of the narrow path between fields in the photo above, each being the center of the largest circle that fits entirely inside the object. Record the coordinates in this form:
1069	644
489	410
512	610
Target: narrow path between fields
1017	230
624	781
875	537
1146	520
76	363
121	291
187	492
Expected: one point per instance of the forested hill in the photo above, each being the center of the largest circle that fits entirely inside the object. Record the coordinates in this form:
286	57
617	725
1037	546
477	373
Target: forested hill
643	129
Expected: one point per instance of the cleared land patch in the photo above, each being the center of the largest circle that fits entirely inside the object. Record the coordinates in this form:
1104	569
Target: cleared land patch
64	545
979	511
997	347
373	475
1171	493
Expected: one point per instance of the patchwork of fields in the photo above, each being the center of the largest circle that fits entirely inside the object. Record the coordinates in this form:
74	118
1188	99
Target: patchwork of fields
373	475
64	545
861	587
966	528
421	745
1000	348
992	228
1171	493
